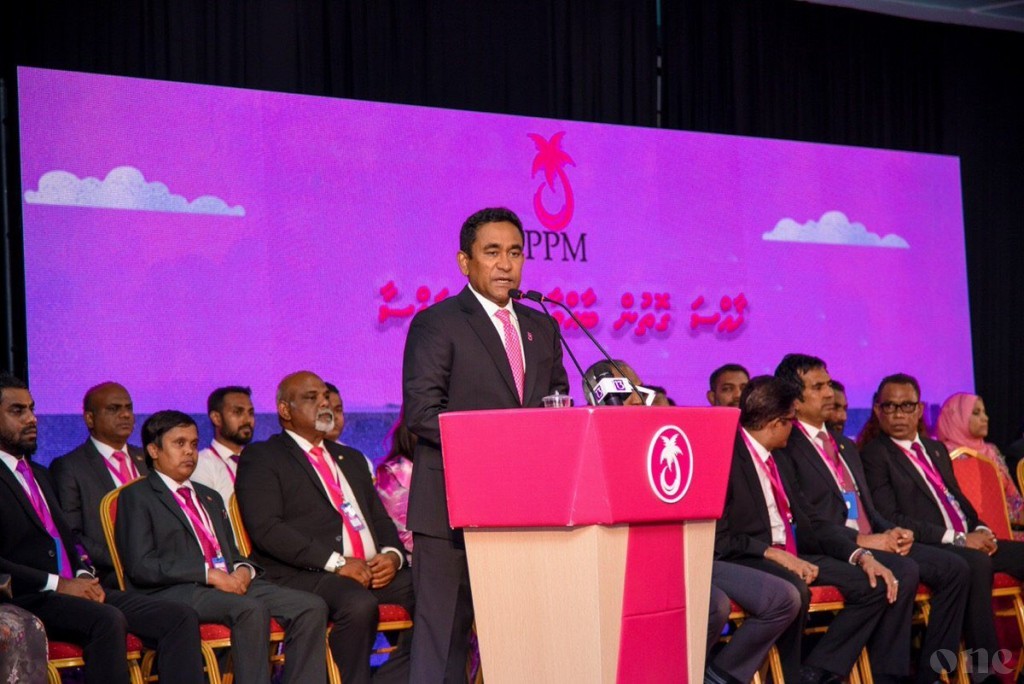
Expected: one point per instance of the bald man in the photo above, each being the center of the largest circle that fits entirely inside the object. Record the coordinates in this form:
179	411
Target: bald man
317	524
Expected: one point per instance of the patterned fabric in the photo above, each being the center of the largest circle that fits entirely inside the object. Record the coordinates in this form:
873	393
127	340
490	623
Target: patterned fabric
393	477
22	647
513	350
952	429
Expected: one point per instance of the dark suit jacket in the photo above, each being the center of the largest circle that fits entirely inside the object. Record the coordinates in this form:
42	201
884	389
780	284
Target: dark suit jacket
157	545
818	487
287	512
902	494
27	552
455	361
82	480
744	530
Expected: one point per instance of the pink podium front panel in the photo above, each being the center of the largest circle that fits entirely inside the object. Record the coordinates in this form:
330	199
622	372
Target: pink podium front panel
586	466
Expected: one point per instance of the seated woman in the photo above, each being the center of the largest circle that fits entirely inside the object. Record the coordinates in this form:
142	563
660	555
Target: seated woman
964	423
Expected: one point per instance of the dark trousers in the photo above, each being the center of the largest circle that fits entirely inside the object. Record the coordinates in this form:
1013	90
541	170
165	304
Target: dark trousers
303	616
867	618
771	603
99	628
354	611
979	624
444	610
169	627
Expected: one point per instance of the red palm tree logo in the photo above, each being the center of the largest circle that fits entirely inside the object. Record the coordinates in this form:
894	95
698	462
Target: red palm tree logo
551	158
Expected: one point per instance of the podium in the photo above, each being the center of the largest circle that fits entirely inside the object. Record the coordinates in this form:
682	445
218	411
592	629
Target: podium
589	536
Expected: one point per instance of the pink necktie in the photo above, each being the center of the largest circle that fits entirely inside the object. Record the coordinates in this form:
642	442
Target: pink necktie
956	517
337	498
207	544
41	509
846	484
512	350
124	472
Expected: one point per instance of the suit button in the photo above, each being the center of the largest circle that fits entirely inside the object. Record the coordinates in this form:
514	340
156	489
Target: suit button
338	538
52	553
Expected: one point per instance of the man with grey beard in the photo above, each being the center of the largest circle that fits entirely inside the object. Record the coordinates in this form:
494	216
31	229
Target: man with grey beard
317	524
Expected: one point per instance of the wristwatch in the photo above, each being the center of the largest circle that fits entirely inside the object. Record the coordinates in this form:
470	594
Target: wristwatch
960	539
859	555
338	564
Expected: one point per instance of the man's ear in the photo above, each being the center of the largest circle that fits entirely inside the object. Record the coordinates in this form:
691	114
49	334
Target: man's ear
90	420
216	419
284	410
464	263
711	397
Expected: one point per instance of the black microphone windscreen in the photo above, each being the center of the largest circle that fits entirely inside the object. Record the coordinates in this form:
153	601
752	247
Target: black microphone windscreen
515	294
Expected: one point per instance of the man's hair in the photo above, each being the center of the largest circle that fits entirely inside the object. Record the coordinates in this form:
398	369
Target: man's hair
897	379
794	366
837	386
215	402
159	424
8	381
332	388
722	370
467	236
764	399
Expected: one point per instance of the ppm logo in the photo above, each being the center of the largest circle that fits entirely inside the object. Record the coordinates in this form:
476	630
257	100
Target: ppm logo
670	464
551	159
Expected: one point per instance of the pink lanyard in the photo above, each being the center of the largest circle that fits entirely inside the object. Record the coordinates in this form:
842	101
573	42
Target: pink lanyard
837	467
202	523
946	500
224	462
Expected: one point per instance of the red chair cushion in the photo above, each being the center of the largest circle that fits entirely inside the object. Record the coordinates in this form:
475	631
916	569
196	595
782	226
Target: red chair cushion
923	592
134	643
275	627
212	631
825	594
58	650
735	607
391	612
1001	581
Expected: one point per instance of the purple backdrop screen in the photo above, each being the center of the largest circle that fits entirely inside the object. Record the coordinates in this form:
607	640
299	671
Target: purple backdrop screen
179	237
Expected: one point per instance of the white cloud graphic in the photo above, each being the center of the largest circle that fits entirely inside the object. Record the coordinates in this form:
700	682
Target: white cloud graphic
124	188
832	229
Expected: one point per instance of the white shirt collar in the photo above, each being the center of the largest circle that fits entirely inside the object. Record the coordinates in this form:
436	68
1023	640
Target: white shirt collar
759	449
812	430
303	443
907	443
174	486
490	308
107	451
221	449
12	461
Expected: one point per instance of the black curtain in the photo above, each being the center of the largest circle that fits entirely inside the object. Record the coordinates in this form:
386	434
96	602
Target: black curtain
782	69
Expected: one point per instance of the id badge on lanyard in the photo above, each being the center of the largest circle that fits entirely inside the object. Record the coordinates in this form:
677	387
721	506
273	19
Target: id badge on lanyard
353	517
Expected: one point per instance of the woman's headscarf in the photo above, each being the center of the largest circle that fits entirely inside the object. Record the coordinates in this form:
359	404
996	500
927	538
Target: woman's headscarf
952	427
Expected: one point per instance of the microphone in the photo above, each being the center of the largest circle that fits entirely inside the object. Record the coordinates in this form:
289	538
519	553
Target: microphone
518	294
535	296
611	391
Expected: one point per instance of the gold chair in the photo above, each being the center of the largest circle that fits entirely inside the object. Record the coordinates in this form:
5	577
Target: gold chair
213	636
979	480
63	655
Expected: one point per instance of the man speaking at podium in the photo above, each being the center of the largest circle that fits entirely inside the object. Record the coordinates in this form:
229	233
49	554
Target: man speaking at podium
477	350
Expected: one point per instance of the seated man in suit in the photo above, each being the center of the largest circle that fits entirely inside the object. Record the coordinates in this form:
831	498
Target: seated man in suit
177	544
766	525
102	463
836	420
234	420
37	548
912	482
831	479
317	524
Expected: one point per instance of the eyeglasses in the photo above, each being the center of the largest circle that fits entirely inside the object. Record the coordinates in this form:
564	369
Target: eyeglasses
889	407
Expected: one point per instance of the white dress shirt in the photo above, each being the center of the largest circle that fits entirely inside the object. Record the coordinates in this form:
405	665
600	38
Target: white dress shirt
774	516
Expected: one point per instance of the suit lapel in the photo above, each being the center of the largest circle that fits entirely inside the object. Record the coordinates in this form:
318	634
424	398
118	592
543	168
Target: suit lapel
296	452
167	498
139	459
755	493
21	496
810	451
908	468
98	467
489	337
